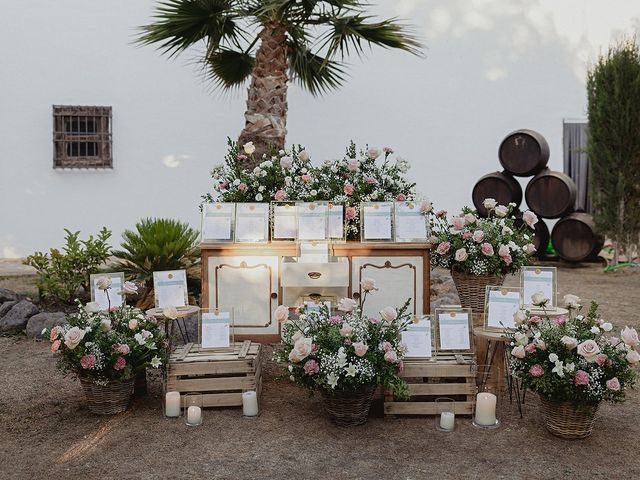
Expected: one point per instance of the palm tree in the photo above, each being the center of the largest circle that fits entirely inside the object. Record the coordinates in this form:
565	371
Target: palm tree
272	41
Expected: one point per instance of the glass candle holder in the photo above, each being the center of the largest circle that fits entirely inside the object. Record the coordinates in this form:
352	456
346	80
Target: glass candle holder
445	414
193	409
250	407
171	404
488	399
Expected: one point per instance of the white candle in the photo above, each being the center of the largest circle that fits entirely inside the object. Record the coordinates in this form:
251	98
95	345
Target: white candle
194	415
486	409
172	404
447	420
249	403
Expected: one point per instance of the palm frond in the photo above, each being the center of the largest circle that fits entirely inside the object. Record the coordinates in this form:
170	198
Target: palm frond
229	68
314	72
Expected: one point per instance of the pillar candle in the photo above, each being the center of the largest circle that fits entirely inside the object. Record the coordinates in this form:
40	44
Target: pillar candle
250	403
486	409
172	404
194	415
447	420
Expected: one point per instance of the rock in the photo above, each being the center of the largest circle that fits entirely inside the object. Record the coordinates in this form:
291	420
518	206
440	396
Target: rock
44	320
7	295
6	306
15	320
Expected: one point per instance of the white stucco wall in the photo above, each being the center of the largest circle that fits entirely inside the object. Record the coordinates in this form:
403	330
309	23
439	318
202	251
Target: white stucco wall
491	66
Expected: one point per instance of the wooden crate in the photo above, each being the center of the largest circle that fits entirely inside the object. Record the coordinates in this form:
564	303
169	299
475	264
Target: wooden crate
220	376
427	381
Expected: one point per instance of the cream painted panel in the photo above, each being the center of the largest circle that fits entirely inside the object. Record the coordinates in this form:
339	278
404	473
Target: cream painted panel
401	280
334	274
246	283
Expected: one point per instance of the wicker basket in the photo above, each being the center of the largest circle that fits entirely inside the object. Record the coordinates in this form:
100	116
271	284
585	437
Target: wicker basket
107	399
349	409
565	420
471	288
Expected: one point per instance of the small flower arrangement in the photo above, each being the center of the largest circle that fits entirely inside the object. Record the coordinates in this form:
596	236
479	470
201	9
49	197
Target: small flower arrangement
108	345
347	352
483	246
572	358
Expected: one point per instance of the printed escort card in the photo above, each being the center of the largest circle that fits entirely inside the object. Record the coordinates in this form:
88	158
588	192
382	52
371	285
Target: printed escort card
538	280
418	339
285	225
217	221
170	288
215	329
312	220
252	222
411	224
454	332
502	305
111	297
336	221
376	221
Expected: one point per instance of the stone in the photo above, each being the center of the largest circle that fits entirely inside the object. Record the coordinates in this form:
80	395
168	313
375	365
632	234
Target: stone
42	320
7	295
15	320
6	306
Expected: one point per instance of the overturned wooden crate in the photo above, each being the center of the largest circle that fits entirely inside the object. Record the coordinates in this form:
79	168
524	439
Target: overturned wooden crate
220	376
428	380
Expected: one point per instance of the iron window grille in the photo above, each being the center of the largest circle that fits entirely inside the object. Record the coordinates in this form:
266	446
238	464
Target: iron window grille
82	137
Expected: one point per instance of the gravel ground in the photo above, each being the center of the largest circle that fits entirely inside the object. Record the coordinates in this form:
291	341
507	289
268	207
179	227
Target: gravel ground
47	432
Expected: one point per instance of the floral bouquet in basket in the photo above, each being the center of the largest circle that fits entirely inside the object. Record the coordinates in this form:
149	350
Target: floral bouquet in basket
111	345
573	358
344	353
483	246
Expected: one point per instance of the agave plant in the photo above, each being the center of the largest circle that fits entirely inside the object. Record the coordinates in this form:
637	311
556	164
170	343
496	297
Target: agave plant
159	244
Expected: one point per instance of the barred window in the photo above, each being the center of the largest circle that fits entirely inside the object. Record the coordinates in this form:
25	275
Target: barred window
81	137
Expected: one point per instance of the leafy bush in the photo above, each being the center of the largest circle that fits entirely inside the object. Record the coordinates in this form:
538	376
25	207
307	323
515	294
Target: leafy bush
62	273
159	244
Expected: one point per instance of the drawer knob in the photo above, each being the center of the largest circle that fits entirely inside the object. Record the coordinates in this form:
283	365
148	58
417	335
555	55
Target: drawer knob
274	295
314	275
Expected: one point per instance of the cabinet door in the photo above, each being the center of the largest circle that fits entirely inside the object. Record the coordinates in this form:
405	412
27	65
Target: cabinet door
247	285
397	279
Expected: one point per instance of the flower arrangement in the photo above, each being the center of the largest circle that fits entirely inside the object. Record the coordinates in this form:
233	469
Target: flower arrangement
571	358
288	175
108	345
483	246
347	352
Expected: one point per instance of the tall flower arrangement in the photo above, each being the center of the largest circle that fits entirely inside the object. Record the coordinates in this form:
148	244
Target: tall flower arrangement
483	246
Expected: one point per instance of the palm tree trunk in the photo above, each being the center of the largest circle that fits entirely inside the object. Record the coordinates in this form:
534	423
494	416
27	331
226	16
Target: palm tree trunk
266	115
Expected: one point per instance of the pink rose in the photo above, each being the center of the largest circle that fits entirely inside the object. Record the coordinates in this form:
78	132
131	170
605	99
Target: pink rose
529	248
401	197
569	342
281	313
390	357
387	150
478	236
55	332
306	178
582	378
630	336
506	259
224	185
360	348
335	319
73	337
518	352
370	180
589	349
374	320
426	207
352	165
560	320
486	249
55	346
533	320
368	284
461	255
120	363
536	370
601	359
541	345
633	357
530	348
301	350
467	236
614	341
242	187
286	162
280	195
121	348
388	314
613	384
350	213
347	304
373	153
441	213
503	250
311	367
348	189
458	223
386	346
443	248
530	218
87	361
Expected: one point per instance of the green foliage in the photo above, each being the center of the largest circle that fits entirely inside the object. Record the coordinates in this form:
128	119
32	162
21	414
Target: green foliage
159	244
613	90
62	273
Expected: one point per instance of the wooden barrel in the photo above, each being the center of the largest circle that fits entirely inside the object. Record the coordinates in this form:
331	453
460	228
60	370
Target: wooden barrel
551	194
541	232
575	238
497	185
524	153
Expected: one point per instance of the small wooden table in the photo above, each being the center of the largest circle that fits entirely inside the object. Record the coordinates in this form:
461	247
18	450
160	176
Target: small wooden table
183	312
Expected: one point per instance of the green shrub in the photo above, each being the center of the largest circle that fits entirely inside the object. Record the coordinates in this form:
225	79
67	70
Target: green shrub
159	244
62	273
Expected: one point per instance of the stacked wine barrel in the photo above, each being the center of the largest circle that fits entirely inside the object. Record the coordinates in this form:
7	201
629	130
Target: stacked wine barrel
550	194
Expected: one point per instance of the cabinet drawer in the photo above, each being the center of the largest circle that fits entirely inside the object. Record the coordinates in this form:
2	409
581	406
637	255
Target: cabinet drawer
315	274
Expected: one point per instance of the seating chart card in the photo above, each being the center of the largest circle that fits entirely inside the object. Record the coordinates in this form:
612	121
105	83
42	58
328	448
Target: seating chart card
410	223
217	221
454	330
538	280
252	222
285	224
418	339
501	305
216	329
115	298
170	288
376	220
312	220
336	221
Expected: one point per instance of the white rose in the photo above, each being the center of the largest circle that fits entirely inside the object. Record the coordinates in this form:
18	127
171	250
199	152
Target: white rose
607	327
520	317
281	313
633	357
529	248
506	231
73	337
589	349
249	148
503	250
521	338
301	350
470	219
389	314
259	197
133	324
572	302
352	165
489	203
595	330
461	255
286	162
373	153
303	156
261	188
346	330
347	304
92	307
129	288
501	211
236	182
553	358
569	342
105	324
170	312
538	298
368	284
103	283
478	236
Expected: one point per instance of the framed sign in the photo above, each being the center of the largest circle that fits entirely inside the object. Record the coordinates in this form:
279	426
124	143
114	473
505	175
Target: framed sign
217	221
418	339
315	302
284	224
538	280
376	221
170	288
312	220
111	297
216	329
454	330
501	304
336	230
252	222
410	223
